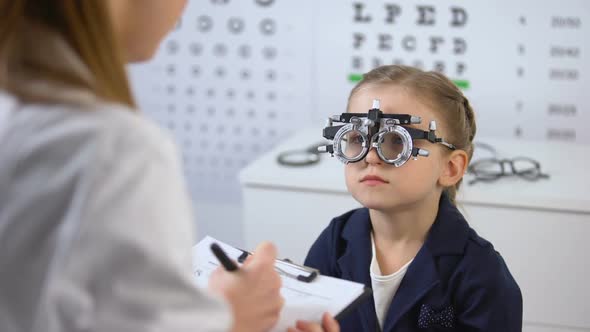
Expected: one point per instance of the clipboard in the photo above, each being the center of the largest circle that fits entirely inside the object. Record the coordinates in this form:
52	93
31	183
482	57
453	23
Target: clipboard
308	274
307	293
287	268
365	295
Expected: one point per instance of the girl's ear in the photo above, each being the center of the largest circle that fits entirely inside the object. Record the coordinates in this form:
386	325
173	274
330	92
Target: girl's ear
454	168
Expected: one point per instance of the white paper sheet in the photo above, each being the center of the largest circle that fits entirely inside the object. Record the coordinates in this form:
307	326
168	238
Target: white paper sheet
305	301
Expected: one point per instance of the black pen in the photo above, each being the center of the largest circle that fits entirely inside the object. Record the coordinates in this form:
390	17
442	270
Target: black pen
227	263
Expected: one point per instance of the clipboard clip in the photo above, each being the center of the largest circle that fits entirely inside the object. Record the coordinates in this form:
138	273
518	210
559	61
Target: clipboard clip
287	268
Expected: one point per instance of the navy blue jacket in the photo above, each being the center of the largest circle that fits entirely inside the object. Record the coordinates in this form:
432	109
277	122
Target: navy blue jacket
457	281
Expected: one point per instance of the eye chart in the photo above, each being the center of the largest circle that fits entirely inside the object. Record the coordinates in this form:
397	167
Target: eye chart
236	77
230	82
523	64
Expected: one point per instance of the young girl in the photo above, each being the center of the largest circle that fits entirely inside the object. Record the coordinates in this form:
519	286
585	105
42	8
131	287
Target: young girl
429	271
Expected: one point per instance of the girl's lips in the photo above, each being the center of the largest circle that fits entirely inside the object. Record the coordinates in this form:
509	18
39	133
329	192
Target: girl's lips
373	180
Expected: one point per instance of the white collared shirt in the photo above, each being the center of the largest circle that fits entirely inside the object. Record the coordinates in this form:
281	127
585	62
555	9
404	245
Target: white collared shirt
384	286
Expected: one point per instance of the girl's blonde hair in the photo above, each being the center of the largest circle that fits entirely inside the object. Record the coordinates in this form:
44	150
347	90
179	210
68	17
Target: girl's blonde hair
438	92
31	33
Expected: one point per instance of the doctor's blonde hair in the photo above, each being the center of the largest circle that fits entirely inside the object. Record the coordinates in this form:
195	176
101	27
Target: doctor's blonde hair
30	30
439	93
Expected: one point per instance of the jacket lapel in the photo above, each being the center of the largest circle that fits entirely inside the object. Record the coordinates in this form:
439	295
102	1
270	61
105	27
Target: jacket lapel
420	278
447	236
355	262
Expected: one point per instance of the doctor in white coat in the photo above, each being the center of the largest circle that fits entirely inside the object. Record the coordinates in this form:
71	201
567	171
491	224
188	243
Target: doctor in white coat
96	226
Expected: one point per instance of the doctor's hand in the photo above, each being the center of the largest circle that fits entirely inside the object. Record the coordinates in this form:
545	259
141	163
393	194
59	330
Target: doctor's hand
329	324
253	291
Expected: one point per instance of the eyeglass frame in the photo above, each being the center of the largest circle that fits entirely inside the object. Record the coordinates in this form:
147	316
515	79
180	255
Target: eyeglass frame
372	123
405	134
495	176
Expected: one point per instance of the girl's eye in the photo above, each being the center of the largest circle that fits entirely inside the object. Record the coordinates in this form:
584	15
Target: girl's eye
355	139
396	140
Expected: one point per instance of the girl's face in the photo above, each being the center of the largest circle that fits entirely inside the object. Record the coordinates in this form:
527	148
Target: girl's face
380	186
140	25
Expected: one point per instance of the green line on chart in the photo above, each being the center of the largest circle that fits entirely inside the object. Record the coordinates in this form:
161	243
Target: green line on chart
355	77
462	84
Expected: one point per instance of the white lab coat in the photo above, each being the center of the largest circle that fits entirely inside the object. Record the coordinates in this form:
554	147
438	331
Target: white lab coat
96	226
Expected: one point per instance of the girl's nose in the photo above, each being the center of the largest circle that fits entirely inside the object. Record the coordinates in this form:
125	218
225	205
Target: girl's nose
372	157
